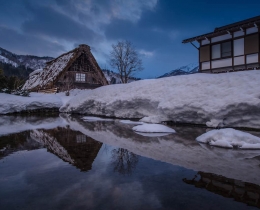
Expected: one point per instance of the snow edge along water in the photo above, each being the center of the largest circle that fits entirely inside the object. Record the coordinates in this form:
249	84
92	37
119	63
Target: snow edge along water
215	100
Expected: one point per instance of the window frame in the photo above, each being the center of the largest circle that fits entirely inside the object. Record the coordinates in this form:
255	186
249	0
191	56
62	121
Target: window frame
79	77
221	50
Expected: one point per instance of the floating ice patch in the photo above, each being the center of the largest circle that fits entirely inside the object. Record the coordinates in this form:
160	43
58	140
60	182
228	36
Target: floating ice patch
131	122
93	119
153	128
153	134
230	138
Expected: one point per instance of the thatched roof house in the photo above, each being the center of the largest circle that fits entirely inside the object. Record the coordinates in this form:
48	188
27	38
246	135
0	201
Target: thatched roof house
75	69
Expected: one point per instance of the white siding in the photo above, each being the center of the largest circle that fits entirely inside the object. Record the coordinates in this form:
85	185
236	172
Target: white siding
205	65
251	30
216	51
239	47
253	58
239	33
220	38
221	63
206	41
239	60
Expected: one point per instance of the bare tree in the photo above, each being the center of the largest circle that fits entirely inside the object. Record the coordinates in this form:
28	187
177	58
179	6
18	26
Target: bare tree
124	162
125	59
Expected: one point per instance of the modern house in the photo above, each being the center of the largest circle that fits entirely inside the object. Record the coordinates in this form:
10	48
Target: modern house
232	47
75	69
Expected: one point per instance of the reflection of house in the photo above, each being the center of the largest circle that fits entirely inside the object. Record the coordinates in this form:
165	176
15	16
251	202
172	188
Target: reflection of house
241	191
17	142
75	69
230	48
71	146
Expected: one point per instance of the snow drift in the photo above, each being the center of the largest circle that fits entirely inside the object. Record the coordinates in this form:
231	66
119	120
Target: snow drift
12	103
230	99
230	138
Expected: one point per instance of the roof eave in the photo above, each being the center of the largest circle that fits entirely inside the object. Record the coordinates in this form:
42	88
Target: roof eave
223	30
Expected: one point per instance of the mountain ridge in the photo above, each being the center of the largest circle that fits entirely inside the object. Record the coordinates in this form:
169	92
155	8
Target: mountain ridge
183	70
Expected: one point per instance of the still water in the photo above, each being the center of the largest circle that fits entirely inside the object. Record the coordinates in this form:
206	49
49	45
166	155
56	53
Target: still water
64	162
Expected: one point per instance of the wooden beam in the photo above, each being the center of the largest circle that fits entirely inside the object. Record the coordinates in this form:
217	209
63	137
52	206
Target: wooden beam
194	46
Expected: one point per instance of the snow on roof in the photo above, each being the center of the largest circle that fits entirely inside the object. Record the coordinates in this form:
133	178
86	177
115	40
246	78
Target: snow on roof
51	71
35	72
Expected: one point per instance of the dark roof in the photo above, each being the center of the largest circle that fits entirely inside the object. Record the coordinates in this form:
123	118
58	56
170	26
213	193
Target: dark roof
223	29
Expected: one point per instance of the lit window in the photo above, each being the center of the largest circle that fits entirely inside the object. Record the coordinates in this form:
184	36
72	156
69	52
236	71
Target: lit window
80	77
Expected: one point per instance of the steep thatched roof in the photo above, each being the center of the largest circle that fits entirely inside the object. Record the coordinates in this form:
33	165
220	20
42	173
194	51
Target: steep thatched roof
50	74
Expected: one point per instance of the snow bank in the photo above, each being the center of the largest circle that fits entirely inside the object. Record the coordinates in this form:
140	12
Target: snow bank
153	128
12	103
230	138
230	98
218	100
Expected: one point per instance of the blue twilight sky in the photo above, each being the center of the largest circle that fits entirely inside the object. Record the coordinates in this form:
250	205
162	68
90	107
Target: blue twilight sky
155	27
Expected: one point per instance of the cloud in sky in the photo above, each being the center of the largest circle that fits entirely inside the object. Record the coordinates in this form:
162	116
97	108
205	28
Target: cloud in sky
155	27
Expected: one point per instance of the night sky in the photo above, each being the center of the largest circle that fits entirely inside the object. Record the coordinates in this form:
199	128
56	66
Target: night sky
155	27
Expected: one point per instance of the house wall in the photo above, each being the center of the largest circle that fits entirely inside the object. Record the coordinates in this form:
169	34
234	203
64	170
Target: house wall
80	75
232	51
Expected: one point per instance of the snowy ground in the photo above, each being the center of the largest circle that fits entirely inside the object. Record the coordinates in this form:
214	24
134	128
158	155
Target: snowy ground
228	99
12	103
224	100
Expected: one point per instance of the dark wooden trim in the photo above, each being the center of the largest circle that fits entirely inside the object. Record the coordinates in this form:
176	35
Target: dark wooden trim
232	49
199	57
230	67
245	24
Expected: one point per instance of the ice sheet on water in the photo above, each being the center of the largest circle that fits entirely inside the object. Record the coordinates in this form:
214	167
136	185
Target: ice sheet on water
153	128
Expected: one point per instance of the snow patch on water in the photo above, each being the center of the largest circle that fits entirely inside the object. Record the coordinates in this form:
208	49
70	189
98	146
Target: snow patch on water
230	138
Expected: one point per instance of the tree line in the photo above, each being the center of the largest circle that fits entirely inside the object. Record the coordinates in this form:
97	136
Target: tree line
11	84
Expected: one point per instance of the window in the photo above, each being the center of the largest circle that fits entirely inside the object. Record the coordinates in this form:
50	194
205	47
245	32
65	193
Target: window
216	51
80	77
81	138
222	50
226	49
239	47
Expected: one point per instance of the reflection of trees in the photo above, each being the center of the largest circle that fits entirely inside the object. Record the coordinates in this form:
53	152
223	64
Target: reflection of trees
124	162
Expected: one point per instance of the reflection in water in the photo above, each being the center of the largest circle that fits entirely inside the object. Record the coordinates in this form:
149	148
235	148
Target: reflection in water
71	146
241	191
17	142
124	162
157	166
